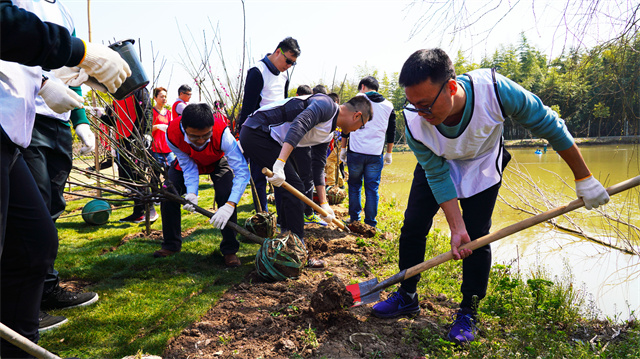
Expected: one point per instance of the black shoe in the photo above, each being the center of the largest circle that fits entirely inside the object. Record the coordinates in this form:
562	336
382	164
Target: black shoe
135	218
48	322
59	298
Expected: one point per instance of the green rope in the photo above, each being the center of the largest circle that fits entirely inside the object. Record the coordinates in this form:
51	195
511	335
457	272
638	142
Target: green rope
265	222
281	258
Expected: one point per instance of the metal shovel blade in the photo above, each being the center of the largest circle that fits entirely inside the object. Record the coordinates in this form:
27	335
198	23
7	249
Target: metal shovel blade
362	292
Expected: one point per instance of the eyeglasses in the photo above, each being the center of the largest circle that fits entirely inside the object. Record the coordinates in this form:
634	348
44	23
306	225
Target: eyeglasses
206	136
426	111
289	61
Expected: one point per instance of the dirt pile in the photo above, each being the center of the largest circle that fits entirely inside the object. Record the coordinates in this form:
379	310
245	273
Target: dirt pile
331	295
310	316
362	229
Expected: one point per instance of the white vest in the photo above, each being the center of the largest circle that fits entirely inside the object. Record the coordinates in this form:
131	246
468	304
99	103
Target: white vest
370	139
19	86
58	14
273	87
474	157
321	133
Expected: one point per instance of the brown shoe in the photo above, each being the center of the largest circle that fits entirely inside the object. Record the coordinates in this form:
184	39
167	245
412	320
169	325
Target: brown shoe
163	253
315	263
232	261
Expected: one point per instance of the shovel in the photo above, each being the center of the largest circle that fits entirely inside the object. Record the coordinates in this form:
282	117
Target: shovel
250	236
305	199
369	291
25	344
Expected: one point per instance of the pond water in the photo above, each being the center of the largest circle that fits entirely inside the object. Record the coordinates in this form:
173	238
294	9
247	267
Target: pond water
608	277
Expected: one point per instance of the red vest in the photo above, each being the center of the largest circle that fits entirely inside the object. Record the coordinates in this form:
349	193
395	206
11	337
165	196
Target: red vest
206	158
159	138
174	113
125	111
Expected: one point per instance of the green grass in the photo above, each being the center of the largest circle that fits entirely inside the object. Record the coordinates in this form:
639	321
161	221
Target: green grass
531	316
144	302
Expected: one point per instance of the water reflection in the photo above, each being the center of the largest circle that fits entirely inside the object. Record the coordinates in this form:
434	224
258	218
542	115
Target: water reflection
609	276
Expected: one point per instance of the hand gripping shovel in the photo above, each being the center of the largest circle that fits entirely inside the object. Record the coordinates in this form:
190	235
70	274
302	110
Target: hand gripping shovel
369	291
267	172
250	236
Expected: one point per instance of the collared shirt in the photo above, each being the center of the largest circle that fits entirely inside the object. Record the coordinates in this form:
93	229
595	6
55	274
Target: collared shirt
234	156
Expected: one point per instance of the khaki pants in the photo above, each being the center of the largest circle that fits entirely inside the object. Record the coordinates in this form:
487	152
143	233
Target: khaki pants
330	171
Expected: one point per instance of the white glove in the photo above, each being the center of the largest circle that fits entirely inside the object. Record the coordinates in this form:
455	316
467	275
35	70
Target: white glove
95	111
59	97
162	128
278	177
75	76
105	65
87	137
387	159
343	155
93	83
330	214
148	140
72	76
222	215
193	198
592	192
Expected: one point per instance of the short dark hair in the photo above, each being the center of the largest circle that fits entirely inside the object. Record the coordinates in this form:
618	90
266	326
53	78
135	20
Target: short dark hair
319	89
362	104
198	116
335	97
433	64
184	89
303	90
289	44
369	82
157	90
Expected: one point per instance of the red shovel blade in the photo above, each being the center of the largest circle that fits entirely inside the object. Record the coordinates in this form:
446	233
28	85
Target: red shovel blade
361	292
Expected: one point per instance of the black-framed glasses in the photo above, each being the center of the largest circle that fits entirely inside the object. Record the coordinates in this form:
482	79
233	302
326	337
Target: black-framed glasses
206	136
289	61
361	119
427	110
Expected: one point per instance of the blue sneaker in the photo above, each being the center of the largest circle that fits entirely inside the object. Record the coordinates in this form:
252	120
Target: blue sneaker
464	327
399	303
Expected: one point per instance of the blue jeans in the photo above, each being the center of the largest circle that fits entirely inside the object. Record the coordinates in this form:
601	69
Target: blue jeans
369	169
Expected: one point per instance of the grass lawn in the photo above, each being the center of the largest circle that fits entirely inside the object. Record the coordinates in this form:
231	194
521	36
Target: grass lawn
143	301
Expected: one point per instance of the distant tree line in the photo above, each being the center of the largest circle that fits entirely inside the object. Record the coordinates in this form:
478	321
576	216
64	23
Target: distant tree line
596	91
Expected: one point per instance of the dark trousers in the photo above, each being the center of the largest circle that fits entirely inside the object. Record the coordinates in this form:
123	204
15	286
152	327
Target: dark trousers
263	152
222	178
302	158
49	158
260	183
28	246
127	171
418	218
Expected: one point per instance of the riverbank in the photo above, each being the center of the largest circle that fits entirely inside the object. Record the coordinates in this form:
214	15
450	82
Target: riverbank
581	141
540	142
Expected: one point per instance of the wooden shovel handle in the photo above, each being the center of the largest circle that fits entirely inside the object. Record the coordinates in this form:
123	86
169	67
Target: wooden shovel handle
517	227
267	172
25	344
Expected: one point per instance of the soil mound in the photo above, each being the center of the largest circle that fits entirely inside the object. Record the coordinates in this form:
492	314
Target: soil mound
331	295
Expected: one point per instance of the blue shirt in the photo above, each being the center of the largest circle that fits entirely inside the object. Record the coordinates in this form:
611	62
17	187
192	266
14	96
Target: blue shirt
234	156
